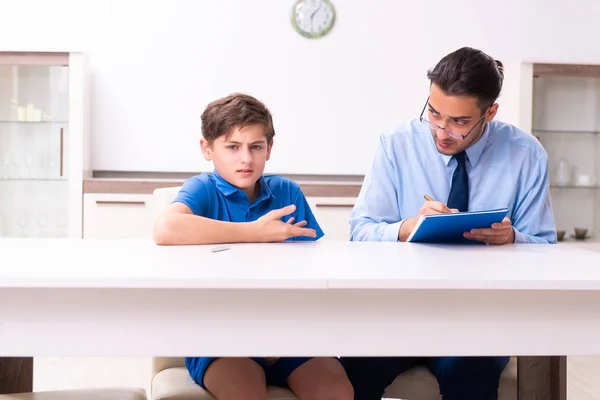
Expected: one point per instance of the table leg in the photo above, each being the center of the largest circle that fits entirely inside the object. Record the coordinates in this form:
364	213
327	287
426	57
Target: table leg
16	375
542	378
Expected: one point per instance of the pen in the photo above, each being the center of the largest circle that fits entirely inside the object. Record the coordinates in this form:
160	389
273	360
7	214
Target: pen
220	248
427	198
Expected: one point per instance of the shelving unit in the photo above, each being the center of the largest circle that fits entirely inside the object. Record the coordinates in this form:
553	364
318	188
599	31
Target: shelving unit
44	142
566	119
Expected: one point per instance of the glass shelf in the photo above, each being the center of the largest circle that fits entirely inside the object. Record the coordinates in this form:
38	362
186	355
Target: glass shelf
36	153
564	131
33	122
33	179
594	187
589	241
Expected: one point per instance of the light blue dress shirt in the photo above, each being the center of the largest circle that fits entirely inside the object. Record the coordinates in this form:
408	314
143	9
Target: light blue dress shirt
507	167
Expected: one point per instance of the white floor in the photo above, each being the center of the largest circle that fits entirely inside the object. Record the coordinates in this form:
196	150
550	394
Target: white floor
582	378
78	373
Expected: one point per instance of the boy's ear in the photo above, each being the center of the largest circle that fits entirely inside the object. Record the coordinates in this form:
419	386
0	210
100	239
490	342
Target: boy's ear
206	149
269	146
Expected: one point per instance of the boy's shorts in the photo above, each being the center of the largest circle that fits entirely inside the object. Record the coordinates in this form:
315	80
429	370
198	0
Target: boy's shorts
276	373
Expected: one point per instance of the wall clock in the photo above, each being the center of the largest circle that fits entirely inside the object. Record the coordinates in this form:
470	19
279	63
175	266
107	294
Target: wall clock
313	18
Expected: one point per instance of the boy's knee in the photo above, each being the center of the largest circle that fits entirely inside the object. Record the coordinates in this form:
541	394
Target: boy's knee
338	388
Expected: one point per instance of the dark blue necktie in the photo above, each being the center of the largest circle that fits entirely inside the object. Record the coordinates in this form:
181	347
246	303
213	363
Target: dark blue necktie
459	192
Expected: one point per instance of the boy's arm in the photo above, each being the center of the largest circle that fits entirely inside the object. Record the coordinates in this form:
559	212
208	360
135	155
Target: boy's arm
179	226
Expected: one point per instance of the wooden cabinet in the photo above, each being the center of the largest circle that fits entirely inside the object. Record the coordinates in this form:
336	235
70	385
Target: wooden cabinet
110	215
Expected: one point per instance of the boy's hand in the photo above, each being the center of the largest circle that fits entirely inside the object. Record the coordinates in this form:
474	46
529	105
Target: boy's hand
270	228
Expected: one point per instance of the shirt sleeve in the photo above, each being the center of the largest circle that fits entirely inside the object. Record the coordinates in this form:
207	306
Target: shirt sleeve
303	213
195	195
533	220
376	215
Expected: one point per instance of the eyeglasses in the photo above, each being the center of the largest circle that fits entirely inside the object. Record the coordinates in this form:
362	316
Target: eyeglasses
456	135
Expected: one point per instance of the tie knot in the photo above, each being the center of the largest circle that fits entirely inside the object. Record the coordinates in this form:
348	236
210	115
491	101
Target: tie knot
460	158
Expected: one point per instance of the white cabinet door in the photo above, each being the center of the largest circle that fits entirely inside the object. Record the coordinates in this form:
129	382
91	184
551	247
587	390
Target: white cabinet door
114	215
333	215
44	142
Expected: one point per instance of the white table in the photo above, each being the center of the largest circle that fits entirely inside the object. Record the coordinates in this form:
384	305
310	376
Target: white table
65	297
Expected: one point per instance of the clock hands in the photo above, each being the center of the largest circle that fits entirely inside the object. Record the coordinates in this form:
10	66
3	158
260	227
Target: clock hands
312	15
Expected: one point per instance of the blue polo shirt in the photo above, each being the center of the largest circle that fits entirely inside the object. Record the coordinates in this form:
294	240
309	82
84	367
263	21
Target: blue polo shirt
211	196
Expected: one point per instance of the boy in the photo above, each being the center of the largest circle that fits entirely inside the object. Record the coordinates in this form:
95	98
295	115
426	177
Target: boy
237	204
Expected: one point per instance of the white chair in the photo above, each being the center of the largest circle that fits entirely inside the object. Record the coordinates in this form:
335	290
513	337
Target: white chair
171	380
162	198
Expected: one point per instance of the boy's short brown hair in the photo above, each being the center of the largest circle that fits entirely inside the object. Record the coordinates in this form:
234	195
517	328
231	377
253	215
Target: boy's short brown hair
236	110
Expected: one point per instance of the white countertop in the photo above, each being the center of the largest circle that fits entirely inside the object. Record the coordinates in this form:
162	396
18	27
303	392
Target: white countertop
88	263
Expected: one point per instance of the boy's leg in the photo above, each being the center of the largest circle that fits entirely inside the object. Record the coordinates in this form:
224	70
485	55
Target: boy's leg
321	378
235	378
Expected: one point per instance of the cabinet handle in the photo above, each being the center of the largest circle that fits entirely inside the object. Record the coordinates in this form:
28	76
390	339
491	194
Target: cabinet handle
126	202
335	205
61	150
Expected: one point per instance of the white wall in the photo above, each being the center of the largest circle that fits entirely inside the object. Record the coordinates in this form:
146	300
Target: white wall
157	63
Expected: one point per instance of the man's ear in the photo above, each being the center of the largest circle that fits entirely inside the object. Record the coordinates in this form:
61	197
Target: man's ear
206	149
492	112
269	147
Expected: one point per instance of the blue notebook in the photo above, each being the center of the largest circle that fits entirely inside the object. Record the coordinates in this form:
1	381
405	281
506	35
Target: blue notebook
449	228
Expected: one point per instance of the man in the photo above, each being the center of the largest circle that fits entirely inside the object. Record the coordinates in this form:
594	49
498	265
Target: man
456	153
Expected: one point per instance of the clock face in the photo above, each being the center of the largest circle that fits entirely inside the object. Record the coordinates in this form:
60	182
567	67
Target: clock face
313	18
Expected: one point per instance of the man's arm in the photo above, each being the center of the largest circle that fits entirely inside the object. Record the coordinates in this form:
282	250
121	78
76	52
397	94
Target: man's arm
533	221
376	215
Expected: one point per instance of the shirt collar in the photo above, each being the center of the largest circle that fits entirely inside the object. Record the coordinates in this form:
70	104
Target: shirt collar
265	190
228	189
474	151
225	187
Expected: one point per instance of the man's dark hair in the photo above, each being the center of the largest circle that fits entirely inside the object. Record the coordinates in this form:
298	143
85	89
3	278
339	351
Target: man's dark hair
469	72
235	111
